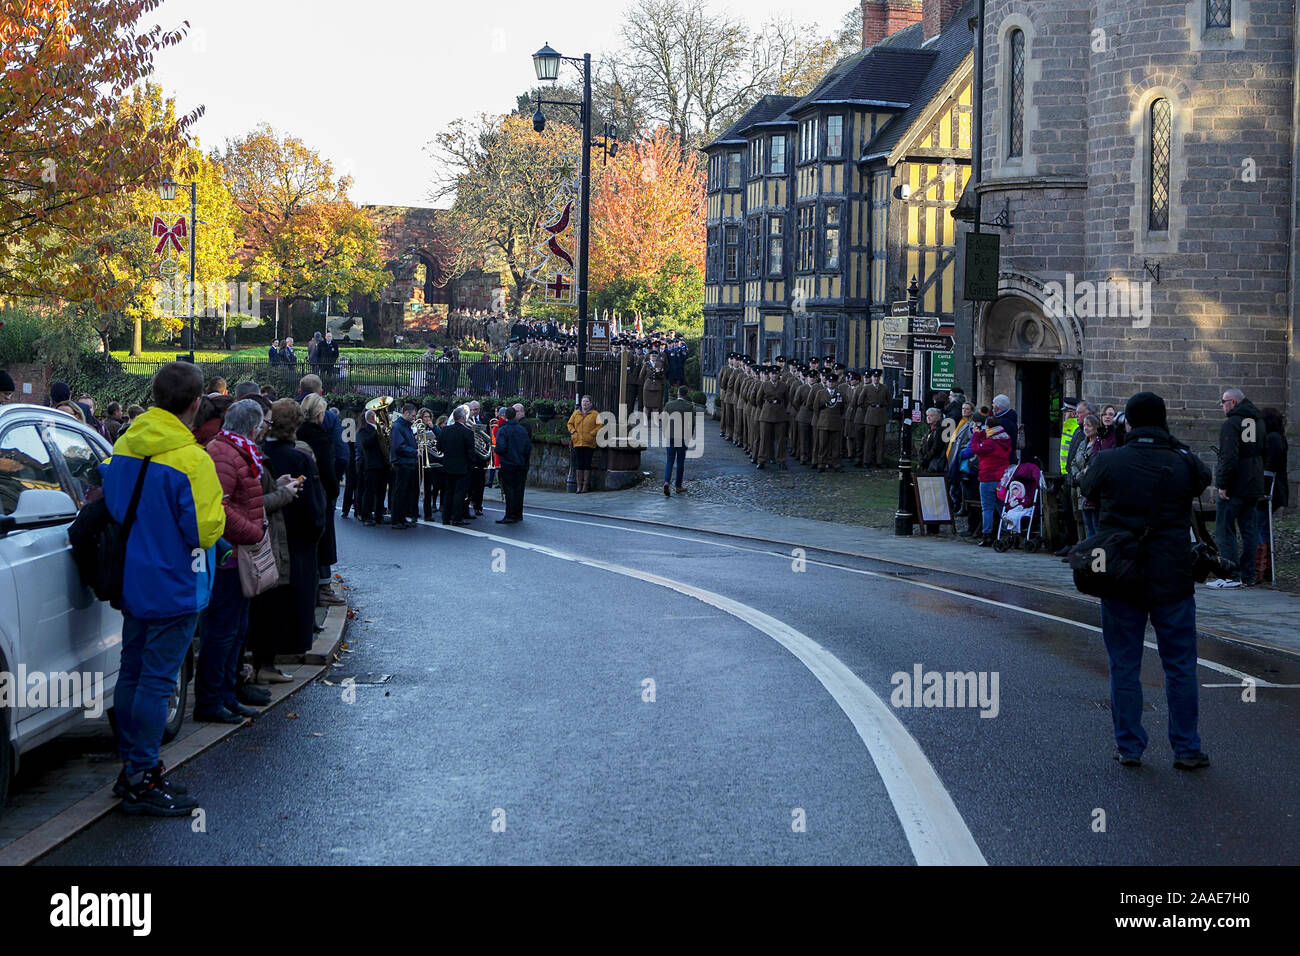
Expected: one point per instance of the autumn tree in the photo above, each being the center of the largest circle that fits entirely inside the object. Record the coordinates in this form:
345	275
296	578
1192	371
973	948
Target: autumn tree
303	238
64	65
502	175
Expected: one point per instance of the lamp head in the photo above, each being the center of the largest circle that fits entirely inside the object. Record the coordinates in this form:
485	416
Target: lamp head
167	189
539	120
547	63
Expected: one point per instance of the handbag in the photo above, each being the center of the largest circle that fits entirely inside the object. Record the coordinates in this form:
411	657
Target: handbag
1106	564
99	543
257	569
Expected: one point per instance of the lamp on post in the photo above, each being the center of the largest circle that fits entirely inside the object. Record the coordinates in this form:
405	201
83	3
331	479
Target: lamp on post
546	62
167	192
904	519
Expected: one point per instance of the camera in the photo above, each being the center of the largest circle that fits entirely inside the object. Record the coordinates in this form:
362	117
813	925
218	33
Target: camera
1207	563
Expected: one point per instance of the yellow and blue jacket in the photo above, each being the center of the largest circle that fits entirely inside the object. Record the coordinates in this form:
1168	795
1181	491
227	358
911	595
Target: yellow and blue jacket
170	558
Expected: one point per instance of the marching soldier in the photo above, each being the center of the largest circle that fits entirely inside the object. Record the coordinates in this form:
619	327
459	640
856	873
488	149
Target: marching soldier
792	381
724	375
652	384
877	400
772	420
845	391
821	397
854	421
803	401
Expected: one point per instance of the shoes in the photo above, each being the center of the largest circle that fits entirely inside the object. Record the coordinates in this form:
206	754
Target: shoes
369	522
1252	584
243	710
478	512
121	786
507	520
317	628
1194	761
1128	760
679	489
154	796
252	695
1063	551
760	466
325	597
666	495
272	675
219	716
1223	583
461	524
986	541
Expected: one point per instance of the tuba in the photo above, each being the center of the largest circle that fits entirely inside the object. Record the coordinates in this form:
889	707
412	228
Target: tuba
383	424
482	444
426	442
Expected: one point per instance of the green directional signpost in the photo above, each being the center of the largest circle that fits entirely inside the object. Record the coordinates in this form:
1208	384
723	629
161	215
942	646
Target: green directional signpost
942	370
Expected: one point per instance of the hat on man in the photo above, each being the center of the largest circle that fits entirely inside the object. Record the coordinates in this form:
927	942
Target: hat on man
6	382
1071	403
1145	409
60	392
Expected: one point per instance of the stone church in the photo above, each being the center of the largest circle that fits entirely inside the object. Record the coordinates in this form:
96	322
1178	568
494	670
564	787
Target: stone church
1138	165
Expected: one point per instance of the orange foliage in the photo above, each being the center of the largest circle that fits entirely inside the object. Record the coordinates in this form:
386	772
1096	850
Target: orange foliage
649	205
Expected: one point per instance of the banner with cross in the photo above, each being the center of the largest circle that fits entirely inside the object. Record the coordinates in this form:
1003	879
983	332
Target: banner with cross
556	273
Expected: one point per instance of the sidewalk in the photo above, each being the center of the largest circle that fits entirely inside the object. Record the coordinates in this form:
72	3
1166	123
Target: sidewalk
68	783
1258	616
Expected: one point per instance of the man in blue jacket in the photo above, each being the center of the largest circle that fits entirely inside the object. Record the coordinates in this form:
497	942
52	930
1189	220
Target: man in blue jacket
514	449
403	455
169	564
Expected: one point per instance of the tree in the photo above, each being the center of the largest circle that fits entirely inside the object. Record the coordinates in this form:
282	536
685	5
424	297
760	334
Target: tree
64	64
649	209
302	237
503	175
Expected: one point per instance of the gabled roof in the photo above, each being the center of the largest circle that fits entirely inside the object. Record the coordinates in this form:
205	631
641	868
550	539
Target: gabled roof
766	110
885	77
951	48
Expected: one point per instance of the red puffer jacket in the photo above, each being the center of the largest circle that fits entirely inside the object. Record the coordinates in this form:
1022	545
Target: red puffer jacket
241	492
993	448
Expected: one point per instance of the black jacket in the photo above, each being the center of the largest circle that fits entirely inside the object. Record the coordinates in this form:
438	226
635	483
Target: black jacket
457	446
272	355
1150	481
1241	453
402	446
372	453
322	446
514	447
304	516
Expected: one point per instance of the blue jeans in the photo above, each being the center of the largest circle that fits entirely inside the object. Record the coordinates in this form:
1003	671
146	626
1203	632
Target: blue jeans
1123	627
989	504
1090	521
153	652
221	637
675	455
1238	513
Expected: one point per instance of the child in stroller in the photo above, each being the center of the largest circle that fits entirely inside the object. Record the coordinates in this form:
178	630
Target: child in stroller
1018	494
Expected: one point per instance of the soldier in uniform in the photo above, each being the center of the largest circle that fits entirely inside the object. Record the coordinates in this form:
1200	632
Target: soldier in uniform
877	400
791	382
821	396
831	421
854	420
653	380
845	391
724	409
803	399
772	420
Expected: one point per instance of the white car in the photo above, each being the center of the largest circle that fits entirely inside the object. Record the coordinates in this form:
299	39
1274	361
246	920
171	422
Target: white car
54	634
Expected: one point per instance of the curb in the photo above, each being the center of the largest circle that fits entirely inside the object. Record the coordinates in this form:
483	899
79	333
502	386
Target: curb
1229	637
62	827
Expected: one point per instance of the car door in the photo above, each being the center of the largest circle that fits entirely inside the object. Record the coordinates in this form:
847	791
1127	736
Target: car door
34	560
96	628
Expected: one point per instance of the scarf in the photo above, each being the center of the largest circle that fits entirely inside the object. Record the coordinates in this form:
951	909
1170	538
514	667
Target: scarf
250	451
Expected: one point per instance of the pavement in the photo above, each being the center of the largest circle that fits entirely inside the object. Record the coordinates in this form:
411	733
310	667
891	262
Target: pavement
1259	617
67	785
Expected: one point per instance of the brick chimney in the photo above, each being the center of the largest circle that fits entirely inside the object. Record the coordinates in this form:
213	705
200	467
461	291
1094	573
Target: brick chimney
938	14
881	18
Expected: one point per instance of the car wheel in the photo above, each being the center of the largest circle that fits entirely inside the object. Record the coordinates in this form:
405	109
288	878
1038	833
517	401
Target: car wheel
180	696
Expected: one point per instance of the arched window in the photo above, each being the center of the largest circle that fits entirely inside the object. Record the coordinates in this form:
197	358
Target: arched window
1161	139
1218	13
1016	96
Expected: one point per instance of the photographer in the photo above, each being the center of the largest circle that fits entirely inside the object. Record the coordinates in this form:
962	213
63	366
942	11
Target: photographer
1145	488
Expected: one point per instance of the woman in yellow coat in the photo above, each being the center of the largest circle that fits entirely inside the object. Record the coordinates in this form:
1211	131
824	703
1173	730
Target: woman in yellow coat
584	423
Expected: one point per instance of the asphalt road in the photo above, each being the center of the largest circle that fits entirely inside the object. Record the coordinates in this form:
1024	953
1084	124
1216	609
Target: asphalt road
516	724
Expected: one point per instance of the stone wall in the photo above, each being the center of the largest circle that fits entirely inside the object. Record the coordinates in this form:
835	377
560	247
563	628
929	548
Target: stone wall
31	383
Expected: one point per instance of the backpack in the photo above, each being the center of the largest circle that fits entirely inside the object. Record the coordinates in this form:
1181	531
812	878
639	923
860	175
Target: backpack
99	544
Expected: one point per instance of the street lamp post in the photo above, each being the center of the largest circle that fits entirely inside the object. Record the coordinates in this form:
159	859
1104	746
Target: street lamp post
167	191
904	519
546	61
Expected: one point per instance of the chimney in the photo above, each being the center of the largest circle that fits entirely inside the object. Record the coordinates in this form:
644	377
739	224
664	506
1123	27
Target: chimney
881	18
938	14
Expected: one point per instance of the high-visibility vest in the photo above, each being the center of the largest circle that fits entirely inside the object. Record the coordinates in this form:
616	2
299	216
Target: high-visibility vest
1067	435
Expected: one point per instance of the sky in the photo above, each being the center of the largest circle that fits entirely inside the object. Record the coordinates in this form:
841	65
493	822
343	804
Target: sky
368	84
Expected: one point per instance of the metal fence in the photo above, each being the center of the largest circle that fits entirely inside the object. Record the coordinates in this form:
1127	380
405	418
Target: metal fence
526	378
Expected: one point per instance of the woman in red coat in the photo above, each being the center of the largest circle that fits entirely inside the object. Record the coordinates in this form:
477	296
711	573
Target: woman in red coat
992	446
221	635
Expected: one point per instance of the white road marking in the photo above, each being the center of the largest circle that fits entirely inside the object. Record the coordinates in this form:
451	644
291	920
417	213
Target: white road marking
785	556
935	830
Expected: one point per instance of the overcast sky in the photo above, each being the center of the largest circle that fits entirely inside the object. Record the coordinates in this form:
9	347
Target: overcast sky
369	83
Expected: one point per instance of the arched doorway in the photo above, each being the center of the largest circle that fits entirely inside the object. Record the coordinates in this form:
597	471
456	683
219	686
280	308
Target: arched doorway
1035	359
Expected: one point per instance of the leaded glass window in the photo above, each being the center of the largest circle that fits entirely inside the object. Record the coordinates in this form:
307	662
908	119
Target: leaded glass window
1161	139
1218	13
1016	96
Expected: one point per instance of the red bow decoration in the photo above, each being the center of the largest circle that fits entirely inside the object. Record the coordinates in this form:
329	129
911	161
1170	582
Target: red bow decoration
174	233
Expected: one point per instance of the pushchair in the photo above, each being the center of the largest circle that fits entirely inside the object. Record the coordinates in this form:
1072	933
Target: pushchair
1021	521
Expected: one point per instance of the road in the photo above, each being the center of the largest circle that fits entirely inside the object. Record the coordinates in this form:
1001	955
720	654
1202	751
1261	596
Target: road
579	690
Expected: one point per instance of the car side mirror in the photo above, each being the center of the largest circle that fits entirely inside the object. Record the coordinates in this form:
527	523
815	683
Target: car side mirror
38	507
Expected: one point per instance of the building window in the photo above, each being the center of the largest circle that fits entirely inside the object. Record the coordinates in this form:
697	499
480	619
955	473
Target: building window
830	337
778	156
807	227
879	235
711	256
808	140
834	135
754	241
802	337
731	331
775	245
1161	141
733	170
1218	13
733	252
756	158
1016	96
831	247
